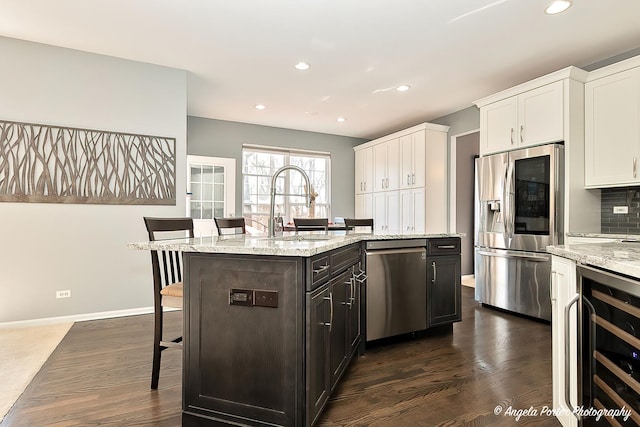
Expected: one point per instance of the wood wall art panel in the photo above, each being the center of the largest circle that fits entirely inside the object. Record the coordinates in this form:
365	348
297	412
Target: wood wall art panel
41	163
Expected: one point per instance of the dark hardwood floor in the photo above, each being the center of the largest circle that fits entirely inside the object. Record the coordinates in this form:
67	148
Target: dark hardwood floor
100	374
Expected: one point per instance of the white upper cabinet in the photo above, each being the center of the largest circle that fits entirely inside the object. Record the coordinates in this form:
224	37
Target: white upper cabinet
529	118
412	159
612	130
364	170
386	165
499	121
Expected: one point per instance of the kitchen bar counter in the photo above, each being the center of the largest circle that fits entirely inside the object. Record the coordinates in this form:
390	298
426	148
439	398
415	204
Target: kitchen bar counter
620	257
290	244
271	324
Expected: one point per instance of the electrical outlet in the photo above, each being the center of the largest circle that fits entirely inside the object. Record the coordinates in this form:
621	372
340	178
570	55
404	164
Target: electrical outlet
621	209
63	294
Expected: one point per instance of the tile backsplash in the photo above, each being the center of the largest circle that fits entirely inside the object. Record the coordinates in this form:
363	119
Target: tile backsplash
620	223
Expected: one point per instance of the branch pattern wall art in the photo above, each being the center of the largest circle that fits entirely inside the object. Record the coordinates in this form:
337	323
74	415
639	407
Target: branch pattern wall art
41	163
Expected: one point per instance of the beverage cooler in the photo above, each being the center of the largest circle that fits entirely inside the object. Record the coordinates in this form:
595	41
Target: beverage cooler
608	348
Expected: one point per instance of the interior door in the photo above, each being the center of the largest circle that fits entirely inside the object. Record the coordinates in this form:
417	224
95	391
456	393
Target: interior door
211	189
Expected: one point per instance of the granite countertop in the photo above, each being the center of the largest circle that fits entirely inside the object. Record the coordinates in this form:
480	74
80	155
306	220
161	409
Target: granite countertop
606	236
621	257
287	245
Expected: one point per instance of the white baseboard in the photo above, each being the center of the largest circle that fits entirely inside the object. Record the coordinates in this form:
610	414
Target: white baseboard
77	318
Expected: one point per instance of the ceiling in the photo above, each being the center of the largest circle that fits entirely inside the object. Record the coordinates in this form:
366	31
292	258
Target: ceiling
240	53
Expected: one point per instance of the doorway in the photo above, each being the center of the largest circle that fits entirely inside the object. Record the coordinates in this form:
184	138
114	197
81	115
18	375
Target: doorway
465	148
211	191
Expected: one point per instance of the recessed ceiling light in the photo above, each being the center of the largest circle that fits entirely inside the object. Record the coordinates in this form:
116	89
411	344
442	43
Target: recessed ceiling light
558	6
403	88
259	107
341	119
302	66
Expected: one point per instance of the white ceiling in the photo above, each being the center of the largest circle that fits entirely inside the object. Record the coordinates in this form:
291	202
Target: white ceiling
242	52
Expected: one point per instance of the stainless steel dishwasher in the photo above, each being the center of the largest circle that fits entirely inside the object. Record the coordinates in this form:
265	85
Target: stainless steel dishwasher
396	290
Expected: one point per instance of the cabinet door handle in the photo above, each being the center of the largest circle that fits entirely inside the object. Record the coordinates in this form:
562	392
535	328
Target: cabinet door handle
521	133
330	299
635	167
408	179
365	186
413	178
361	189
512	136
349	300
433	265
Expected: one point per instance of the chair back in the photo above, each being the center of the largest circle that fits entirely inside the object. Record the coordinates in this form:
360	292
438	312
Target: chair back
351	223
311	224
235	225
166	264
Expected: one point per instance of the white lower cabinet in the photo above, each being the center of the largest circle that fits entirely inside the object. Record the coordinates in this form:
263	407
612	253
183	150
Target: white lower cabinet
364	205
412	208
563	292
386	212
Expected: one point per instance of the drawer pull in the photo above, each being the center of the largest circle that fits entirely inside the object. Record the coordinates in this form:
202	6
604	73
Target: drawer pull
446	246
321	269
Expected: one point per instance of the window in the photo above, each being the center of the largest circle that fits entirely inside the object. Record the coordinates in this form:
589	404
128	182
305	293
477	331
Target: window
258	166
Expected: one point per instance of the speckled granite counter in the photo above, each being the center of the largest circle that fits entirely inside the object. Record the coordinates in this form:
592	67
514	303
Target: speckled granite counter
287	245
620	257
606	236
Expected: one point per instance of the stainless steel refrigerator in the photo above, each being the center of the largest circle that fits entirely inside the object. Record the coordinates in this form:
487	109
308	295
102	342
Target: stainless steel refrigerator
518	213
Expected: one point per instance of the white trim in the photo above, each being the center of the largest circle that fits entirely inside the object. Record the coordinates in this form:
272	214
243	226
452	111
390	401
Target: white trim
79	317
617	67
272	149
408	131
571	72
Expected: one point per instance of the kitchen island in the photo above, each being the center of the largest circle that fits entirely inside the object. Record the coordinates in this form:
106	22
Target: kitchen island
271	324
596	313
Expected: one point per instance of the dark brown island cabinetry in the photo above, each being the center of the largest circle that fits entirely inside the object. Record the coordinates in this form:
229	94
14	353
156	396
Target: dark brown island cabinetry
268	337
443	281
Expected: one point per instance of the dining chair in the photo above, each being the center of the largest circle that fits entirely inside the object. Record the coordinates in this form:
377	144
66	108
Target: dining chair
237	225
351	223
167	282
311	224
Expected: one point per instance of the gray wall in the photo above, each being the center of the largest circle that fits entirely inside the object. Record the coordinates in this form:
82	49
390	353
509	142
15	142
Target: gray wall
461	121
47	247
219	138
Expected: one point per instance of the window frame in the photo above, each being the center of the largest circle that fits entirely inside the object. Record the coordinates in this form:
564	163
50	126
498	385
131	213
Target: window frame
289	202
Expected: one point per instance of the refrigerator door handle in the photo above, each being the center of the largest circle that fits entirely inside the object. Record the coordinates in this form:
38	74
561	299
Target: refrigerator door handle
505	206
513	254
509	201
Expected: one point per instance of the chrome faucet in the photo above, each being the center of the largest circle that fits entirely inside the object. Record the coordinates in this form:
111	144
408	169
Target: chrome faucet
308	191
